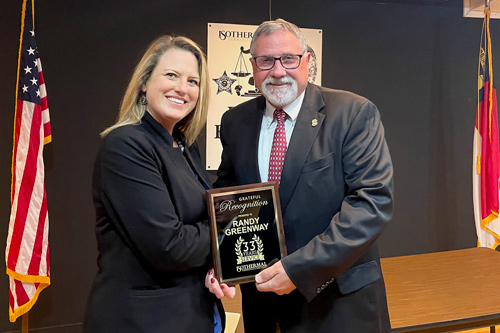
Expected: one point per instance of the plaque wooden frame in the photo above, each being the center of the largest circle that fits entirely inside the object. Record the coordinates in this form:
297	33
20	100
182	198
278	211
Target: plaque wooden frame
247	227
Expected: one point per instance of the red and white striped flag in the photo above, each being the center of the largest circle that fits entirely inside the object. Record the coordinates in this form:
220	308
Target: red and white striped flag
486	156
27	250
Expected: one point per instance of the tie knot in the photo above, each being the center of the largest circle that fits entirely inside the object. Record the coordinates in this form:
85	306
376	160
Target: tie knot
279	115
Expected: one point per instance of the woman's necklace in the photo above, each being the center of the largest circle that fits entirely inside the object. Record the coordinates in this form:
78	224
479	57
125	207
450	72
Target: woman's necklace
179	144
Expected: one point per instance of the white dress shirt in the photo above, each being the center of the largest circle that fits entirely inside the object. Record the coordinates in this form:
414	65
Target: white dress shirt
267	132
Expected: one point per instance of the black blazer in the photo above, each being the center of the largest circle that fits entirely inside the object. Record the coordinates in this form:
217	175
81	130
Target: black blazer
336	198
152	234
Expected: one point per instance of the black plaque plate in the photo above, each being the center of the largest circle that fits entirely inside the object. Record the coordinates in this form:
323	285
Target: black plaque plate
246	230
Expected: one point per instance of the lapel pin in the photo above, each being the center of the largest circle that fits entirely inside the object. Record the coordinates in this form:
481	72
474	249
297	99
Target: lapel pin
314	122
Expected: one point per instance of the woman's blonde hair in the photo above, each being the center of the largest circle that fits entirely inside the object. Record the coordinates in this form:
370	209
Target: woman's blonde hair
131	109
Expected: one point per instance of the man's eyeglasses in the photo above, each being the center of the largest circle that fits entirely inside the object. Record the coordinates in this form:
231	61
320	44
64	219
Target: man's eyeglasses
288	61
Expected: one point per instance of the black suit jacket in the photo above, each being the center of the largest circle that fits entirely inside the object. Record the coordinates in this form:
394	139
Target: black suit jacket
152	235
336	198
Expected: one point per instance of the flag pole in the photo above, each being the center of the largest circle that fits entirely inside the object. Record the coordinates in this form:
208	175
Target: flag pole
25	323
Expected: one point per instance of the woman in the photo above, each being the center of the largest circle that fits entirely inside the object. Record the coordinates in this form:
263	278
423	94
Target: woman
149	194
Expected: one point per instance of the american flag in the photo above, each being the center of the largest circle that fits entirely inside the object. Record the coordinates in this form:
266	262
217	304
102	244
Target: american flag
486	158
27	250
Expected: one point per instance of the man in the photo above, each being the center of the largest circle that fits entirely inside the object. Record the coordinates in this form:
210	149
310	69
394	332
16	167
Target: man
335	191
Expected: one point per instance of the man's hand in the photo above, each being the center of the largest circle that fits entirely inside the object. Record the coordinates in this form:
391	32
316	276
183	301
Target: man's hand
274	279
219	290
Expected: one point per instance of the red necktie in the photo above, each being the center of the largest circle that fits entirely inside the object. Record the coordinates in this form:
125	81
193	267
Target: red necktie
278	150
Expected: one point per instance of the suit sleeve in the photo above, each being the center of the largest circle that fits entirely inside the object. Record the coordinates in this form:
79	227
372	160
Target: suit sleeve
141	206
364	213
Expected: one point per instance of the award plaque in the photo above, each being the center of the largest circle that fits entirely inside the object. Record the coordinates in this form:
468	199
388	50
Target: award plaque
246	230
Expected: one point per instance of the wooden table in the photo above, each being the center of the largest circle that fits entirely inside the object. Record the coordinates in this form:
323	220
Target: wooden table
444	291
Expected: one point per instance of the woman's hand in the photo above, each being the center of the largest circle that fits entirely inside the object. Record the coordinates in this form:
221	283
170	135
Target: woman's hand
219	290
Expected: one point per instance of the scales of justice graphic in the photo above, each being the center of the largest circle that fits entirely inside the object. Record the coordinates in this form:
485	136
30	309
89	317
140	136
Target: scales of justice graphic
224	82
240	63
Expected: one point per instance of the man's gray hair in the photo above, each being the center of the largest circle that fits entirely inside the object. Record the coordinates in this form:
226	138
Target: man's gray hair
270	27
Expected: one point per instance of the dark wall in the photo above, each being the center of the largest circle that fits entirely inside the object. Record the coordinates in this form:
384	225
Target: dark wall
417	60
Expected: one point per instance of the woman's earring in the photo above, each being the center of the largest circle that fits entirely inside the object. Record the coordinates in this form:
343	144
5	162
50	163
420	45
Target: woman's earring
143	100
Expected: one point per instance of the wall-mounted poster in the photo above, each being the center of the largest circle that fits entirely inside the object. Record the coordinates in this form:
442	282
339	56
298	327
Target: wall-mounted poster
231	79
